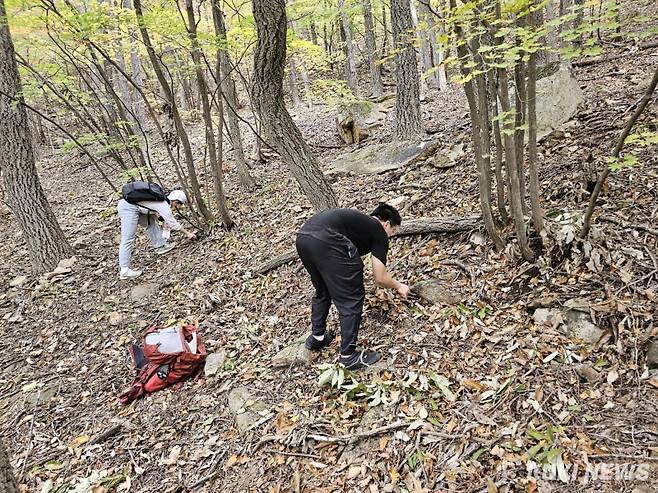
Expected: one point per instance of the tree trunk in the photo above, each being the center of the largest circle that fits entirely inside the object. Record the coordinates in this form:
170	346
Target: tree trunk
178	121
535	206
292	82
7	481
350	62
437	53
371	48
407	102
516	198
444	225
215	162
229	93
267	95
46	242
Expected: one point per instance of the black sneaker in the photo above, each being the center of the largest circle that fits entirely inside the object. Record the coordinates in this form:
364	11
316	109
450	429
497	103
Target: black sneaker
360	359
314	345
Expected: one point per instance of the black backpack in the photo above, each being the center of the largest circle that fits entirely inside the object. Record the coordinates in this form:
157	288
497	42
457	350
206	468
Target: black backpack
140	191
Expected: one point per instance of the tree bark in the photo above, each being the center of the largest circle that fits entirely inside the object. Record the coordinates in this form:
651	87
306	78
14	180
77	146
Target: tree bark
535	205
350	62
215	161
444	225
7	480
45	240
228	90
267	95
407	102
371	47
292	82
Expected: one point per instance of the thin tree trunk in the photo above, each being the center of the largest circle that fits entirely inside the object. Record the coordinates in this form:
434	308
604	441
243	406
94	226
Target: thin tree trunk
516	198
476	95
292	82
350	62
371	48
437	52
215	162
46	242
267	95
229	93
169	97
535	206
646	98
407	102
500	180
519	132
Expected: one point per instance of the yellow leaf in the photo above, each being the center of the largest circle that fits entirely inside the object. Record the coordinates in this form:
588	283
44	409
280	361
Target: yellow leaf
76	442
491	486
472	384
231	461
394	474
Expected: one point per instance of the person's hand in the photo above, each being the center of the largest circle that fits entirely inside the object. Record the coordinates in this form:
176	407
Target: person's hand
191	236
403	290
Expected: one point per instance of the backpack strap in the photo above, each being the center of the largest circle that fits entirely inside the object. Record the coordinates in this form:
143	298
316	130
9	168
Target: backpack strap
137	389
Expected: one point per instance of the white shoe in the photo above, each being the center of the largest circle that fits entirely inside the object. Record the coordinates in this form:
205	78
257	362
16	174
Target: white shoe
167	247
127	273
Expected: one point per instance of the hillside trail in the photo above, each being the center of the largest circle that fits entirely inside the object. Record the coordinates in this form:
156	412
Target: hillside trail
466	389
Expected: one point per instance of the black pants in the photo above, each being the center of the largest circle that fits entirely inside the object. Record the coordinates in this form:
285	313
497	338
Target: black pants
336	271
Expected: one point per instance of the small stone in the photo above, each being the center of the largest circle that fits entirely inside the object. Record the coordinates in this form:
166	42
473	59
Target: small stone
433	291
244	408
17	281
67	263
398	202
652	354
79	244
115	318
586	372
477	238
142	291
214	362
294	354
548	316
59	271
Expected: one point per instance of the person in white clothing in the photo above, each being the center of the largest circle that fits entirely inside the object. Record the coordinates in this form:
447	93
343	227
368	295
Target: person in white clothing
146	214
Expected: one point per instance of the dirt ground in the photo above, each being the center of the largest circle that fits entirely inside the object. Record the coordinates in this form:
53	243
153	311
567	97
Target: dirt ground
64	346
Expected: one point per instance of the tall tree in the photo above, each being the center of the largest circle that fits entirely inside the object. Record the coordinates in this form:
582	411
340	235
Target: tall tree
350	60
267	96
407	101
215	160
229	93
371	48
7	481
45	240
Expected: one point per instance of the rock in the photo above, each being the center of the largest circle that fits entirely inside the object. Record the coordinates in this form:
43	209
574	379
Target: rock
115	318
79	244
558	97
358	452
294	354
578	325
244	408
214	362
142	291
59	271
398	202
359	119
41	396
586	372
548	316
652	354
17	281
433	291
378	158
477	238
67	263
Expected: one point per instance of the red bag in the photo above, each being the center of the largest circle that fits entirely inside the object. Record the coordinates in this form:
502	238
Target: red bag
168	356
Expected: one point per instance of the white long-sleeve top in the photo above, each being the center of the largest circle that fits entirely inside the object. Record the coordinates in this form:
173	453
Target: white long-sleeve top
163	209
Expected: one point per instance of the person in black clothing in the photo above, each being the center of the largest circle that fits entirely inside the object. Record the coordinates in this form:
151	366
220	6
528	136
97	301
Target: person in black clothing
330	245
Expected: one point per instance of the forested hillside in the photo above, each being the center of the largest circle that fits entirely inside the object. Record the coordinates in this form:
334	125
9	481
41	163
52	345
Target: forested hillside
517	139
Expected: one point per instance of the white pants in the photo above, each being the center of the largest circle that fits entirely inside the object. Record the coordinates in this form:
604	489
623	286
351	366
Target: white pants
130	217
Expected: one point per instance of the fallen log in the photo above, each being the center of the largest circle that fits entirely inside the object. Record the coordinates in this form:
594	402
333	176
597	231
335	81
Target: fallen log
412	227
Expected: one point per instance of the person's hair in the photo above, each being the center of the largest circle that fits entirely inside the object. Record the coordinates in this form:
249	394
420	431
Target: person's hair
385	212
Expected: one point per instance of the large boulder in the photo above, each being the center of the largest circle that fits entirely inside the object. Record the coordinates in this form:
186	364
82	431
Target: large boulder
379	158
573	319
558	97
358	119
